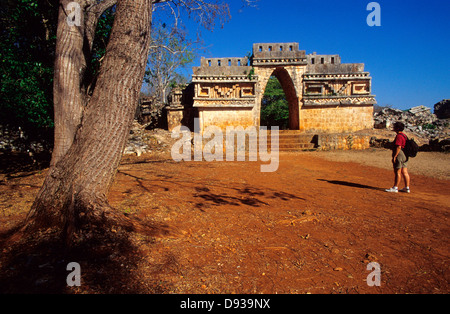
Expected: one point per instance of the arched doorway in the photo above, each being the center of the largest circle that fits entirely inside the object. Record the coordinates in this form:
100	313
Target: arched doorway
288	103
274	106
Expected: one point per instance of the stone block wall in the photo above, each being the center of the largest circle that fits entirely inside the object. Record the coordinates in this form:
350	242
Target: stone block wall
225	117
336	119
341	141
222	67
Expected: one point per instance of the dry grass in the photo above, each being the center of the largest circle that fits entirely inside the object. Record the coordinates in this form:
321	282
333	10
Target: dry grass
432	164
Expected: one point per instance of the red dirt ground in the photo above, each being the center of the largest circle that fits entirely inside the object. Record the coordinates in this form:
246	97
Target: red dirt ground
311	227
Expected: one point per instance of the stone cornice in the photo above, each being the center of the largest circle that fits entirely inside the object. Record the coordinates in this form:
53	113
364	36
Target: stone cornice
336	76
224	103
223	78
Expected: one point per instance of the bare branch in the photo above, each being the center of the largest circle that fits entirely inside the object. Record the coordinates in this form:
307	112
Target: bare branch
250	3
205	12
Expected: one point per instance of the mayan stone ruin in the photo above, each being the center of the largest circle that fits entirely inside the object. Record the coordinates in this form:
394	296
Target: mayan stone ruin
325	96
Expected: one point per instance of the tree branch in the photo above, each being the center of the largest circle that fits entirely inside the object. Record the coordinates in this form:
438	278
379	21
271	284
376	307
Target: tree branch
93	12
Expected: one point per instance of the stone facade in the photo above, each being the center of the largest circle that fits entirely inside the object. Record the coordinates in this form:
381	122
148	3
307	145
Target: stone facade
224	92
324	95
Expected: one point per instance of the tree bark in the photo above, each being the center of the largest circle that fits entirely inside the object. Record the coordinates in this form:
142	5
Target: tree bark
67	95
74	194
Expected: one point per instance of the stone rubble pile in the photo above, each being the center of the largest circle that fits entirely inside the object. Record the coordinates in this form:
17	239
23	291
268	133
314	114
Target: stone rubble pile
16	140
420	121
142	141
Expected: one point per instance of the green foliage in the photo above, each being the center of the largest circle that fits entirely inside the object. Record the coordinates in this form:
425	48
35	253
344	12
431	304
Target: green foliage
27	41
274	107
27	46
25	94
429	126
251	75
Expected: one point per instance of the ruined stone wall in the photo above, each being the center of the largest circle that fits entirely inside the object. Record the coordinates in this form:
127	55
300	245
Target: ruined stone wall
174	119
336	119
181	117
179	111
342	141
336	97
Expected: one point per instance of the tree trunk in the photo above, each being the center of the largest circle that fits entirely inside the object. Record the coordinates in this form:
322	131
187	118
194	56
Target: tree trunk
74	194
67	96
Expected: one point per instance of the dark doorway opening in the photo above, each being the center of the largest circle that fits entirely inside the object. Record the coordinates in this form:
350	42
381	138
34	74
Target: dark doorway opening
279	105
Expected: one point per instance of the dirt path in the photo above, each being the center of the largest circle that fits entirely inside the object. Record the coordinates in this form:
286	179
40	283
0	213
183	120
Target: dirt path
311	227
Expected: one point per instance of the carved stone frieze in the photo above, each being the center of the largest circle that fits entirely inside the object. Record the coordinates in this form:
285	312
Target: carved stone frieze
333	101
225	90
231	103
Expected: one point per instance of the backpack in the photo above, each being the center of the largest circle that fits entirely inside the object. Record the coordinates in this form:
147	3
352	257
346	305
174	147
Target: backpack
411	148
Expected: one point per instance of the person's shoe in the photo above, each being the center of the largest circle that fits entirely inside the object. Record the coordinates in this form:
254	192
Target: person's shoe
392	190
405	190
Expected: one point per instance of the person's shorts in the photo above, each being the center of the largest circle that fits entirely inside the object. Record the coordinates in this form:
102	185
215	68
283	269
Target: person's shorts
401	162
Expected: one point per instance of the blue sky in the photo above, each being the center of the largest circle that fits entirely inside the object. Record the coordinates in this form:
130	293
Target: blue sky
408	56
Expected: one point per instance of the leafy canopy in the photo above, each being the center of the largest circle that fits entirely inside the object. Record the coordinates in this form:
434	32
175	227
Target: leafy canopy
27	41
274	107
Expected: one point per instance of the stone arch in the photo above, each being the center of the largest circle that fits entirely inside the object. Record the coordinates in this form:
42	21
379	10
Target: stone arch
287	79
326	96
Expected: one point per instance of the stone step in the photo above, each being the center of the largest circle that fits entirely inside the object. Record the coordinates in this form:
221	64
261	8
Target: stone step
288	141
293	141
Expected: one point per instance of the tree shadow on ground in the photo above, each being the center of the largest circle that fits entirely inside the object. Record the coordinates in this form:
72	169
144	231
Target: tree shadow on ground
351	184
253	197
235	196
109	262
13	163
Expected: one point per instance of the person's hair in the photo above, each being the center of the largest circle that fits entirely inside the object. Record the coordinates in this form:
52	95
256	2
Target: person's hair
399	126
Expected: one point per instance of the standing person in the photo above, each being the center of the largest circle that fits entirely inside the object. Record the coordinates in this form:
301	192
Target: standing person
399	160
